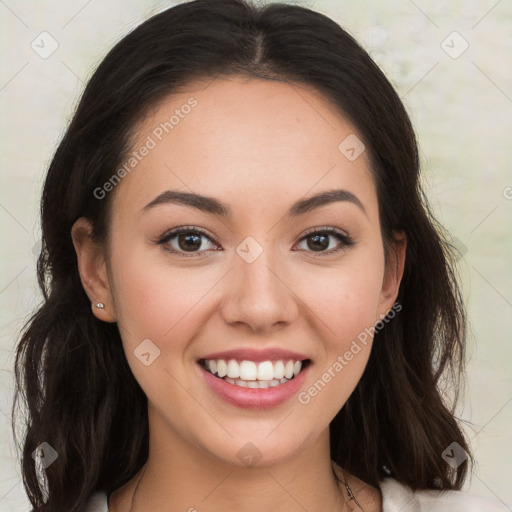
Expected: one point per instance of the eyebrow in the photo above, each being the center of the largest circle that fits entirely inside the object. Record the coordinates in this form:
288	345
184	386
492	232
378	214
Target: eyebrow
215	207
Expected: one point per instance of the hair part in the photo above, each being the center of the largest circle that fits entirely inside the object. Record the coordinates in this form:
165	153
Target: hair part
71	369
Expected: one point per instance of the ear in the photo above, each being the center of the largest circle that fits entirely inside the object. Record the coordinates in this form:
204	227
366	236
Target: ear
393	274
93	269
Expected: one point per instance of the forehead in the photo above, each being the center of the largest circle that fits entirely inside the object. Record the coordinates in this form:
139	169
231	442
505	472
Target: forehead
236	138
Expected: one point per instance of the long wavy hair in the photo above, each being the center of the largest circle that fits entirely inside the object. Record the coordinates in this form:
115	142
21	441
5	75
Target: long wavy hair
71	371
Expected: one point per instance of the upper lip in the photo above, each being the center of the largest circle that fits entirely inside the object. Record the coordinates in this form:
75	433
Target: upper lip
249	354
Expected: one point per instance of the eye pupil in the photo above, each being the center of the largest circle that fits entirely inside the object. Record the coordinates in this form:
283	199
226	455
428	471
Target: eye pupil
189	236
316	241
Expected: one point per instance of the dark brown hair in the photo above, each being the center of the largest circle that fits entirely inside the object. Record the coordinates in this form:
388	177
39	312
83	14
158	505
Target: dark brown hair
71	369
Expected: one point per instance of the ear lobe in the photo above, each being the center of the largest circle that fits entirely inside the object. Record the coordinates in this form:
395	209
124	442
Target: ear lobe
93	269
393	273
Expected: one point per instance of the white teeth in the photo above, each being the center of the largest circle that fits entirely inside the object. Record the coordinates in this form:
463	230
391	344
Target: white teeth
266	370
222	368
248	370
233	369
255	384
288	370
278	370
252	374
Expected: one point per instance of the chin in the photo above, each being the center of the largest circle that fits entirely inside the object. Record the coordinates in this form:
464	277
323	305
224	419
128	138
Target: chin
262	450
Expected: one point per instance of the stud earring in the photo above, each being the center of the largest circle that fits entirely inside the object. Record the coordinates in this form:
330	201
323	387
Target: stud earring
100	305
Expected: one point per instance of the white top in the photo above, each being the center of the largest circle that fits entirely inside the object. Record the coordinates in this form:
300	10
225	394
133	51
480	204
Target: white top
396	497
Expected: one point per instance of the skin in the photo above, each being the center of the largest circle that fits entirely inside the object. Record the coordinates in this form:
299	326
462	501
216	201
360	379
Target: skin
257	146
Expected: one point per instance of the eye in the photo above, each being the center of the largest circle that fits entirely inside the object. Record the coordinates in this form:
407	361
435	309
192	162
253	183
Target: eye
320	240
188	240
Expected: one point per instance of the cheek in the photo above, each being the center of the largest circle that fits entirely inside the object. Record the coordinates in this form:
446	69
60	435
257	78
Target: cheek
157	302
346	307
161	304
345	302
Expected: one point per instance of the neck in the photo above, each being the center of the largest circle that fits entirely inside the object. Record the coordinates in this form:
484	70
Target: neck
179	476
198	482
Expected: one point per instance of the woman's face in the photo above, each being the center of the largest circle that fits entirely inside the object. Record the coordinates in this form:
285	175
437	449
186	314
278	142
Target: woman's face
255	284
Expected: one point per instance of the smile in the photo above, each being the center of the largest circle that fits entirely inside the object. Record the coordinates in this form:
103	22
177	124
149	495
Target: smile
252	374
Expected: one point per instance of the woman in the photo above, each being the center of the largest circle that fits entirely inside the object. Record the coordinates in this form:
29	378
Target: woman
248	304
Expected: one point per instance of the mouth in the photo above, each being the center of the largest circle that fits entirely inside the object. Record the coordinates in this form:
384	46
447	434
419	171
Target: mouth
255	374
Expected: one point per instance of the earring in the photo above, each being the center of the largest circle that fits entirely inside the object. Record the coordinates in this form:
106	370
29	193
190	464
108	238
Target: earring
100	305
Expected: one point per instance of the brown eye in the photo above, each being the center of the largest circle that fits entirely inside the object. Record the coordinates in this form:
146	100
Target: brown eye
185	240
189	241
318	241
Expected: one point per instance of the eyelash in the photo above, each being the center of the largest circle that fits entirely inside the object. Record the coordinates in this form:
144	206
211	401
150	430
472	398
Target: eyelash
344	239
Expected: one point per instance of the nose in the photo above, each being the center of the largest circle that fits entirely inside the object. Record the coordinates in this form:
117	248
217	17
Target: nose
259	295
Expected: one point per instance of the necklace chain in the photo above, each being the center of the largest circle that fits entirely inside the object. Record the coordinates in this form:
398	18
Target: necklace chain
345	483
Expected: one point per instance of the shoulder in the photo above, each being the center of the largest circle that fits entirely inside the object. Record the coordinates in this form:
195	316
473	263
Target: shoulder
398	497
97	502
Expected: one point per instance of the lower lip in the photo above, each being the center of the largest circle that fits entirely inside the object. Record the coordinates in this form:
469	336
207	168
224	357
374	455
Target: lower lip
251	398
